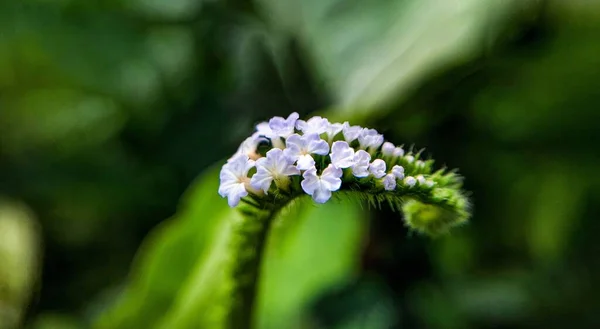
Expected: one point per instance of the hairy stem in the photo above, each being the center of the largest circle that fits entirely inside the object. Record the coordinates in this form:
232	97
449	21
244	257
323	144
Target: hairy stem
247	248
431	211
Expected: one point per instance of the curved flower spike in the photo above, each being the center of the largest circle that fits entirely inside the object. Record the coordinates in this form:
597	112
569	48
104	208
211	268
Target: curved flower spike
362	164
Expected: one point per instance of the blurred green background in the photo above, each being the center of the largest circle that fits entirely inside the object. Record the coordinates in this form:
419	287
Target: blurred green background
115	116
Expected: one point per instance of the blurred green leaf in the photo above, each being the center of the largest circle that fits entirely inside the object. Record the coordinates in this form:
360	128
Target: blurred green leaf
369	54
177	278
62	118
19	257
172	257
321	250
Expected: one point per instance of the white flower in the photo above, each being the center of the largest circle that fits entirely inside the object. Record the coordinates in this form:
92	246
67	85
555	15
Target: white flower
320	187
377	168
421	179
370	138
389	182
275	166
350	132
234	177
342	155
387	149
409	158
299	148
360	168
283	127
410	181
420	163
398	171
398	152
332	130
315	125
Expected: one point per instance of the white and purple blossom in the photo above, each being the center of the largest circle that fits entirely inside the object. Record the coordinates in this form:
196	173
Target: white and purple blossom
377	168
320	187
370	139
410	181
342	155
351	133
234	179
360	168
274	167
299	148
283	127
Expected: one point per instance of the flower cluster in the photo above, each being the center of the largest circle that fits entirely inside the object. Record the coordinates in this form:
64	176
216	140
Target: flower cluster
317	157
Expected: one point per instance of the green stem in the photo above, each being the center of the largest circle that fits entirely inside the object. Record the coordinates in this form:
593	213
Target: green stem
247	246
430	211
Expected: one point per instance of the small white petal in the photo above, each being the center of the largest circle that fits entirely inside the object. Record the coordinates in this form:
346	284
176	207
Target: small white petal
233	176
330	178
311	181
321	194
398	171
377	168
320	187
236	194
351	133
387	149
314	144
262	179
409	158
314	125
283	127
305	162
389	182
342	155
421	179
410	181
263	129
361	164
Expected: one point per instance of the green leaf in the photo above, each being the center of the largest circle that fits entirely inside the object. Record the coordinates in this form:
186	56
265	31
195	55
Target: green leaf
173	259
177	280
369	54
320	251
19	258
